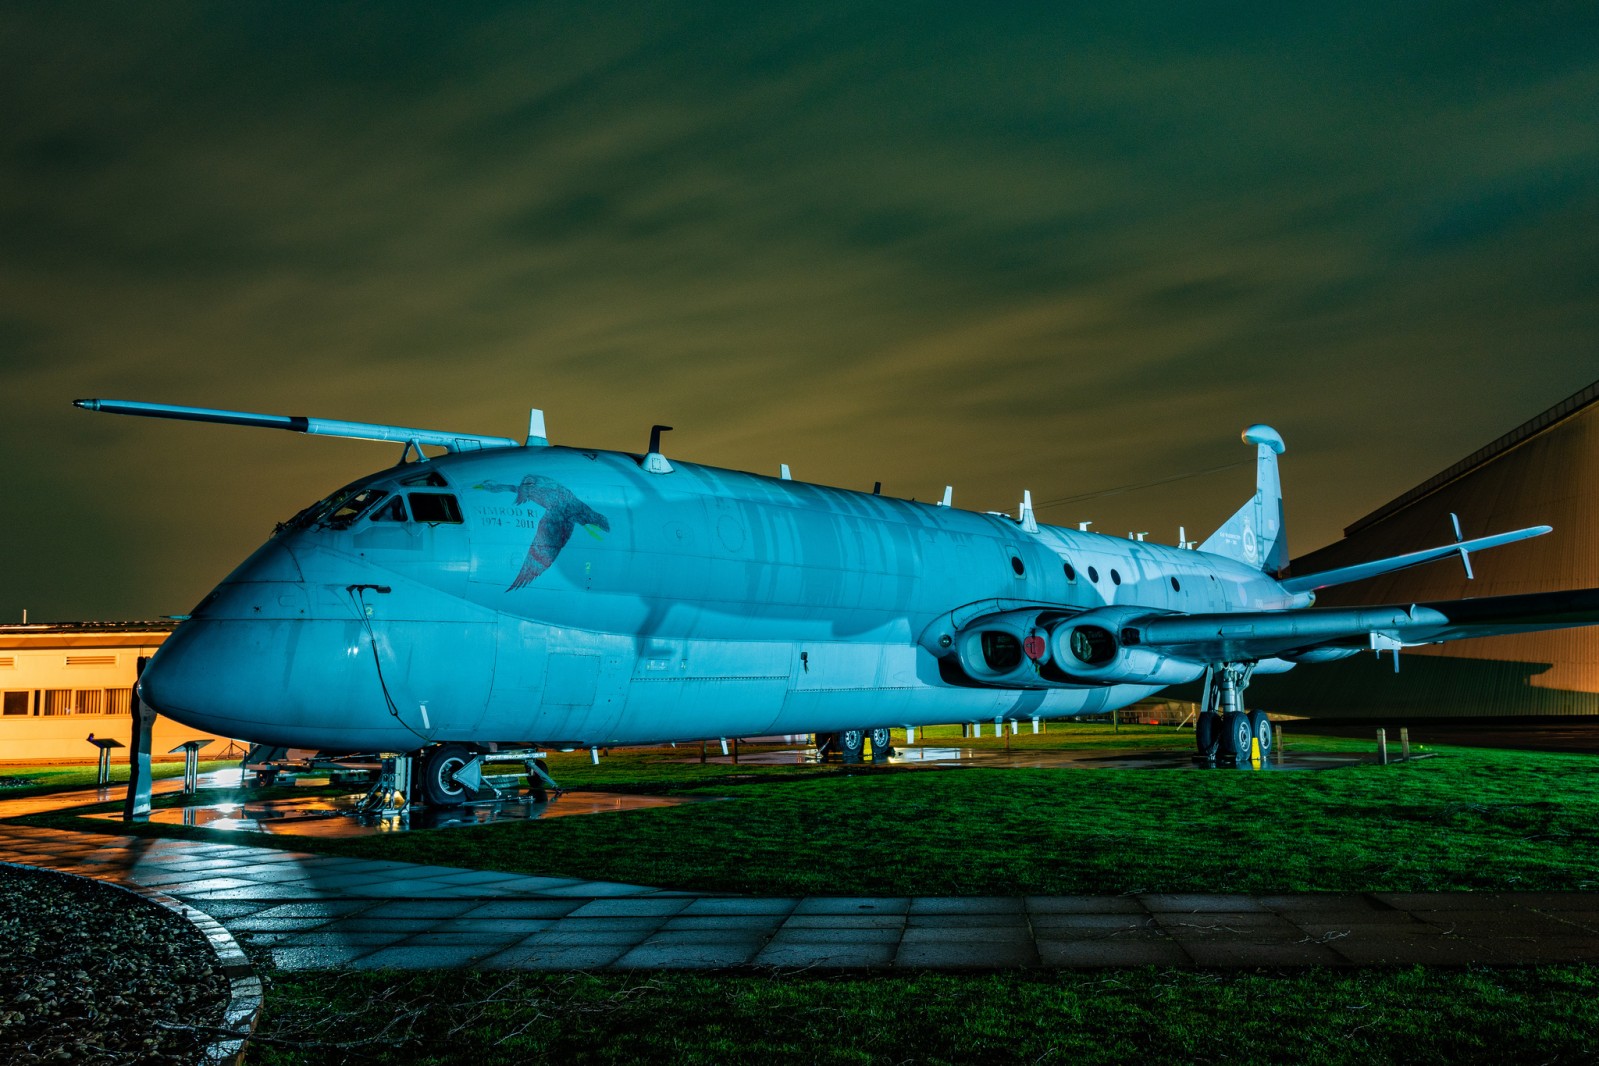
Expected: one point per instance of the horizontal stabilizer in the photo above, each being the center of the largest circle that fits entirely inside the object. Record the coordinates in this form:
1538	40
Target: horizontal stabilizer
1360	571
435	438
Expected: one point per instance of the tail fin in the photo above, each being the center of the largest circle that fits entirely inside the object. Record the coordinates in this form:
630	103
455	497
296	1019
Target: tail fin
1255	534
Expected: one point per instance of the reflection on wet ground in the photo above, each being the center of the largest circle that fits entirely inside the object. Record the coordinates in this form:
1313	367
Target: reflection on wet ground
338	816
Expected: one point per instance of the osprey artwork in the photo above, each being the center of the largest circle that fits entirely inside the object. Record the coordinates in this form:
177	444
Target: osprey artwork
562	513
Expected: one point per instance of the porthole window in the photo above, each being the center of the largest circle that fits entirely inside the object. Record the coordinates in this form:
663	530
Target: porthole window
1115	578
1093	575
1071	575
1175	587
1016	565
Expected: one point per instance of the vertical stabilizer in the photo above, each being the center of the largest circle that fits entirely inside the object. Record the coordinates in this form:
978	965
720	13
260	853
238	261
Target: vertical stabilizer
1255	534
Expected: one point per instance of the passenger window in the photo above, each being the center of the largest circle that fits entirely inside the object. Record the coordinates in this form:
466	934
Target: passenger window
393	511
1115	578
434	507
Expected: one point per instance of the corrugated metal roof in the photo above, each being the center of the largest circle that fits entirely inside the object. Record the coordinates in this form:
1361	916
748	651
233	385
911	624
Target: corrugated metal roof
1522	433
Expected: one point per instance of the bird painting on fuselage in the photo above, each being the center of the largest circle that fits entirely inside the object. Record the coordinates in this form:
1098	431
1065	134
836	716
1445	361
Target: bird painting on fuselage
563	512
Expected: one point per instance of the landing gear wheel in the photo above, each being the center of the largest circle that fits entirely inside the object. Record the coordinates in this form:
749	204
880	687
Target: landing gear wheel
1236	733
882	744
1260	726
266	778
436	775
849	744
1207	734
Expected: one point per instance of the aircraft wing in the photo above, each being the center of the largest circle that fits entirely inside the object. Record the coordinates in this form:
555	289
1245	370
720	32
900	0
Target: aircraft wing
1254	635
1360	571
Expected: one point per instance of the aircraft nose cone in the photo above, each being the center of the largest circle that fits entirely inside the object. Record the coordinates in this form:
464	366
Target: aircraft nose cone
186	681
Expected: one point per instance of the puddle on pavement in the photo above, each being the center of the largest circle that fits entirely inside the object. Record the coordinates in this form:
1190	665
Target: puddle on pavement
337	816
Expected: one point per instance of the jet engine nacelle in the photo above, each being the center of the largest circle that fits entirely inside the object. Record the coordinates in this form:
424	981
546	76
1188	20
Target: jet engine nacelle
1091	648
1003	649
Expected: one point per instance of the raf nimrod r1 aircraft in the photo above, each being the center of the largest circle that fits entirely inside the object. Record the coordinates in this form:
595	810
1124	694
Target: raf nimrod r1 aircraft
518	594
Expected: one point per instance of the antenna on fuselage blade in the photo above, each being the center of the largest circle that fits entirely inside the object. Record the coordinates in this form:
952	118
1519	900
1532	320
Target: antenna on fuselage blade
536	437
323	427
655	462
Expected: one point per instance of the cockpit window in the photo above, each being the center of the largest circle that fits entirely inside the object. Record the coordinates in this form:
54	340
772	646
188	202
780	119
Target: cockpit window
393	511
434	507
352	508
321	508
430	479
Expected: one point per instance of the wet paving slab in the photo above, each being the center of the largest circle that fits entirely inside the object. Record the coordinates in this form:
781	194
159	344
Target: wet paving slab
304	911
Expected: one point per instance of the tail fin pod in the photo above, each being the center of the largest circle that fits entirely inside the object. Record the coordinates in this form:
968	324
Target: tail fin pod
1255	534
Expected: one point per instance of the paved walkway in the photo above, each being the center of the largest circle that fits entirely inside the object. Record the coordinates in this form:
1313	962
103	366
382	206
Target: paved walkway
315	911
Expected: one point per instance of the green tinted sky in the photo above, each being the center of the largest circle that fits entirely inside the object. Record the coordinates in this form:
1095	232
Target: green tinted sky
1043	248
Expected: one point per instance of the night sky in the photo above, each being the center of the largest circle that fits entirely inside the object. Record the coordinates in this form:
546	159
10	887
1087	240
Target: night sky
919	244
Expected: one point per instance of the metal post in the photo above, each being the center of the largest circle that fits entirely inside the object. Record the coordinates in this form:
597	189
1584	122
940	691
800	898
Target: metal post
1035	723
1382	747
1404	743
1277	741
910	734
735	751
702	753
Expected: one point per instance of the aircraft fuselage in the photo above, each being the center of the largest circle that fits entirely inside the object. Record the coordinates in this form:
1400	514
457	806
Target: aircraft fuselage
571	597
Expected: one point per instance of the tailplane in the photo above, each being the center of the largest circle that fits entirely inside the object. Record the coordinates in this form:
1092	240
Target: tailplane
1255	534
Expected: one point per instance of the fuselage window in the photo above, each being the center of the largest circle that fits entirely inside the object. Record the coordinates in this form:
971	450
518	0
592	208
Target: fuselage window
1175	587
352	507
1115	578
434	507
1093	575
393	511
431	479
1016	565
1071	575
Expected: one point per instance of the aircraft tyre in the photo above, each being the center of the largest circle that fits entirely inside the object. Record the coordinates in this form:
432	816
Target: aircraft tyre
850	743
1207	734
434	772
882	744
1235	734
1260	726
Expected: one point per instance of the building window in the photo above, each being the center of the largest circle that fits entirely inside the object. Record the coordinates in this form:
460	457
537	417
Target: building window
118	700
90	701
57	701
17	702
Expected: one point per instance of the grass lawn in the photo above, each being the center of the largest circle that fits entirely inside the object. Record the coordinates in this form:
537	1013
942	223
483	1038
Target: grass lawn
1419	1015
43	779
1465	819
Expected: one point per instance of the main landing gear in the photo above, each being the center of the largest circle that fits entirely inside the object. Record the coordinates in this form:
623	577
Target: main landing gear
1224	730
855	746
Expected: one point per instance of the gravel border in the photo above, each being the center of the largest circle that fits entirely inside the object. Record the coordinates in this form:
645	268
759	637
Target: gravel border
243	1009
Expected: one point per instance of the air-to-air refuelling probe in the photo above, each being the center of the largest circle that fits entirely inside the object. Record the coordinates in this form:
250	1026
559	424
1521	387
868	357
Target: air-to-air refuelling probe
506	594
